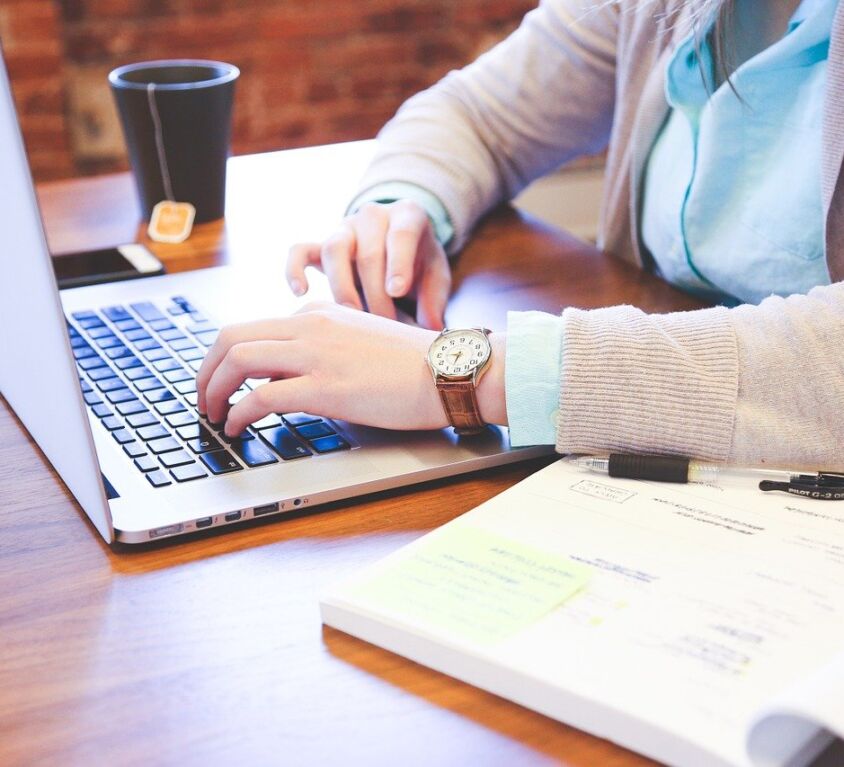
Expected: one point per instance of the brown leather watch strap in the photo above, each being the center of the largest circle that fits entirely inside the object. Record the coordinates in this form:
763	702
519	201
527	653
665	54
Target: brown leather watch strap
461	406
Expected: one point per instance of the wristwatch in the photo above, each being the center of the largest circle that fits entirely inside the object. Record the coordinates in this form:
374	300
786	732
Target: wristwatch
458	359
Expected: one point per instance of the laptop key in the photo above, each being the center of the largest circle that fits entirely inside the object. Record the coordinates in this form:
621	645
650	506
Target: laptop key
76	341
176	458
162	366
193	353
92	398
141	419
147	311
146	463
147	344
123	436
116	313
187	473
192	398
314	430
207	337
244	436
120	395
112	422
174	376
131	407
186	387
90	324
182	419
135	449
162	324
171	334
134	374
330	444
220	462
116	352
124	363
84	314
153	431
159	395
171	406
165	445
205	443
299	419
148	384
180	344
138	334
108	342
101	332
85	386
284	443
81	352
97	374
253	453
101	411
157	353
158	478
91	362
127	325
110	384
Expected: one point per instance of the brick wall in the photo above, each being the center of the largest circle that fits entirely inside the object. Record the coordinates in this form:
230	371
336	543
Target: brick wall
313	71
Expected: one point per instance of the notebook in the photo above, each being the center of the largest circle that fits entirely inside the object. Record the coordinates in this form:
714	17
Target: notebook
695	624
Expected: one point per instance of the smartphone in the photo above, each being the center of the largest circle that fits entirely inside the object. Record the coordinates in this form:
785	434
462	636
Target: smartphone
92	267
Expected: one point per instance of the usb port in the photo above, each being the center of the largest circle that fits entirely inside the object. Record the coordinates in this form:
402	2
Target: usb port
232	516
267	508
206	522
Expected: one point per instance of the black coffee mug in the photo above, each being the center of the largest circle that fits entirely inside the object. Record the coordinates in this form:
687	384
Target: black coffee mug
177	117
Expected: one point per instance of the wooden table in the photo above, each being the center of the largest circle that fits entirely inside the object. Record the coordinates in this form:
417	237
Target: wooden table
210	650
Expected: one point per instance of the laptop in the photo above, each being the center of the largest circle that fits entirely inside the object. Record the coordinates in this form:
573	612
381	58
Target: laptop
103	379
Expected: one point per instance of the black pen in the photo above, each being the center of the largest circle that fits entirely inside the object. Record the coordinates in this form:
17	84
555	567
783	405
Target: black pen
824	486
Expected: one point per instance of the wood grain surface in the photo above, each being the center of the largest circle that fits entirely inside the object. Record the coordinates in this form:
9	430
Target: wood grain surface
210	650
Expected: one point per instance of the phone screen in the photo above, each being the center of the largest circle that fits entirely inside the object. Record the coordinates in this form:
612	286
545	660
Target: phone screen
92	267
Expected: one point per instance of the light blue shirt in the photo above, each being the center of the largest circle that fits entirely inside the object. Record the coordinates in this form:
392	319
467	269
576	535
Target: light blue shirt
732	204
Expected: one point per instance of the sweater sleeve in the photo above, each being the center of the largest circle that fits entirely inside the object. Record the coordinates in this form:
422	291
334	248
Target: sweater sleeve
752	385
541	97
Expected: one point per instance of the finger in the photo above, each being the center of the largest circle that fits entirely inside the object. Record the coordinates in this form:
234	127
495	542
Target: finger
405	236
434	289
337	254
288	396
252	359
370	263
301	255
263	330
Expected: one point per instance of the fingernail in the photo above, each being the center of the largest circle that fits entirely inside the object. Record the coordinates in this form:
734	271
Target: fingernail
297	287
395	285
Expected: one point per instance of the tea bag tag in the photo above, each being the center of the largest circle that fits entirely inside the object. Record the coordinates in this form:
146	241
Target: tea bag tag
171	221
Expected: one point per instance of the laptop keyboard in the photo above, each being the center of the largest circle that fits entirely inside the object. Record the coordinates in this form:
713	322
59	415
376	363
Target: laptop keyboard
137	367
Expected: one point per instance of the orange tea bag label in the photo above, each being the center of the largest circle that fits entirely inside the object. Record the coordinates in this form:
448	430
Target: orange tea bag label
171	221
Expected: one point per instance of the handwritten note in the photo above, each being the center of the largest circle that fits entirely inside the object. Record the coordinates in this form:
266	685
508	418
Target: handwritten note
474	584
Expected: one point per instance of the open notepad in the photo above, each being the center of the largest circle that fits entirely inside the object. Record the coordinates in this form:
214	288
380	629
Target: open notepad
699	625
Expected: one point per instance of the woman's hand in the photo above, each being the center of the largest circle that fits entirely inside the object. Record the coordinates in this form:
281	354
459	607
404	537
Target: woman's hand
380	253
332	361
326	359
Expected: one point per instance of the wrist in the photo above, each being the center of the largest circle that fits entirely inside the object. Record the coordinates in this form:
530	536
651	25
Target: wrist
490	389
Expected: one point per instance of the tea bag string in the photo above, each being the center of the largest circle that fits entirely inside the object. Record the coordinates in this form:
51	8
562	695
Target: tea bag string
159	143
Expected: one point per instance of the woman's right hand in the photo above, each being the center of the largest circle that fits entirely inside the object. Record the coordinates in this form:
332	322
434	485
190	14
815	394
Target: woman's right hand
381	252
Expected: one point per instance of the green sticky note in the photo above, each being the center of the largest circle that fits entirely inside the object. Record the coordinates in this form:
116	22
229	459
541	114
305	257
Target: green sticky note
474	584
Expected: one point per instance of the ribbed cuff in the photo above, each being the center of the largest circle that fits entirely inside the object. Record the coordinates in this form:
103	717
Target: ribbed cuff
634	382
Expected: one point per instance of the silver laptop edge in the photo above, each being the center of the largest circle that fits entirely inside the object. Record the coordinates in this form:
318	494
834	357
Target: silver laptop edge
39	379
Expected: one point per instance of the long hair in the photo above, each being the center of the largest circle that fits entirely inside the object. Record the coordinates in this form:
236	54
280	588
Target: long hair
718	38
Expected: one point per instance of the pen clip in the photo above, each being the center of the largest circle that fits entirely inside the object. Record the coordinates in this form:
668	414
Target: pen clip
823	486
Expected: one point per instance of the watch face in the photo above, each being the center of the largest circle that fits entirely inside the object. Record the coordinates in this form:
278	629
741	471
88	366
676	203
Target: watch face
459	352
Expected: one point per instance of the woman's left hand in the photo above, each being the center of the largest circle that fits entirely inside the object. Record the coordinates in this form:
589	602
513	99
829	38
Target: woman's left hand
326	359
